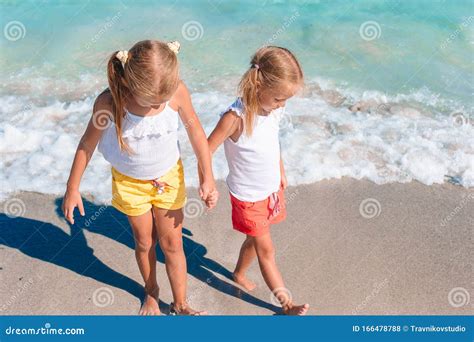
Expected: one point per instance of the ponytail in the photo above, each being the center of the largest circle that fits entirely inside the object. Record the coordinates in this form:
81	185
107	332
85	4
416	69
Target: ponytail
248	91
119	92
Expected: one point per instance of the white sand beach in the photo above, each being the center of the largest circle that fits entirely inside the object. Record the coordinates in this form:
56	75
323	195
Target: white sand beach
347	247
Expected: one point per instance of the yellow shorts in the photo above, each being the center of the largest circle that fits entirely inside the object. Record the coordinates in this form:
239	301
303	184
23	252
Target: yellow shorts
135	197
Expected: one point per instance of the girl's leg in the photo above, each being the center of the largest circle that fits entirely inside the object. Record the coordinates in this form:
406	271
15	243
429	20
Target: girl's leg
169	224
271	275
246	257
145	253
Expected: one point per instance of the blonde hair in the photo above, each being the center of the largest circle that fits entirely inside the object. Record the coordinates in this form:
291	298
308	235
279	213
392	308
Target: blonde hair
149	70
271	67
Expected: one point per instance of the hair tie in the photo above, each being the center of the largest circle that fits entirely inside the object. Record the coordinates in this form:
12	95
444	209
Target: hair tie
255	66
122	56
174	46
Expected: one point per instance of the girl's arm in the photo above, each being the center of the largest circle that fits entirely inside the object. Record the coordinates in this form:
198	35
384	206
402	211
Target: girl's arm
198	141
227	126
84	152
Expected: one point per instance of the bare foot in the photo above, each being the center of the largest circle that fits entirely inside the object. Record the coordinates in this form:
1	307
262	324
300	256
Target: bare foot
296	310
185	310
150	305
244	282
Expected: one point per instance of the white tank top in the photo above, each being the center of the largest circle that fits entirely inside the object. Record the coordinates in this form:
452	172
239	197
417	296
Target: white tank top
153	139
254	162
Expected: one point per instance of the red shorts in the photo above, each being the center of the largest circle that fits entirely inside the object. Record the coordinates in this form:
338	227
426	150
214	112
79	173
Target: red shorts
255	218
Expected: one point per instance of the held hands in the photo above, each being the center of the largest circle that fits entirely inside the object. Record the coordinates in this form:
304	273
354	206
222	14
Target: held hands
71	200
212	199
209	194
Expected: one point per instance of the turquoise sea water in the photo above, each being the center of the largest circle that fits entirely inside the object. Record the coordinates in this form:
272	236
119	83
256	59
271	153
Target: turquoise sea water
60	43
413	57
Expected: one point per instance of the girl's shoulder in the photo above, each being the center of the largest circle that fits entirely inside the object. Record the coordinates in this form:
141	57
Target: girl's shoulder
103	102
236	108
231	120
102	112
180	97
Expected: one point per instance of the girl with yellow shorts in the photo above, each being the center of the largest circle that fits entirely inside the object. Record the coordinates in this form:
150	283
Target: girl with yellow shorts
135	123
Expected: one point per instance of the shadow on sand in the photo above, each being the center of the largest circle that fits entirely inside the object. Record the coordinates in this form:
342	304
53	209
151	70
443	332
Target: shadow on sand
49	243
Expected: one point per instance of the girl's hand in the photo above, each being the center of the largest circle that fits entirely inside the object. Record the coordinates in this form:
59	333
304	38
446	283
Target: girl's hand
206	192
284	181
212	199
71	200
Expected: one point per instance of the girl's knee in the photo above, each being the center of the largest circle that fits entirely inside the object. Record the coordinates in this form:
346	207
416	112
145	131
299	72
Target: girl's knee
144	244
249	241
171	245
265	252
